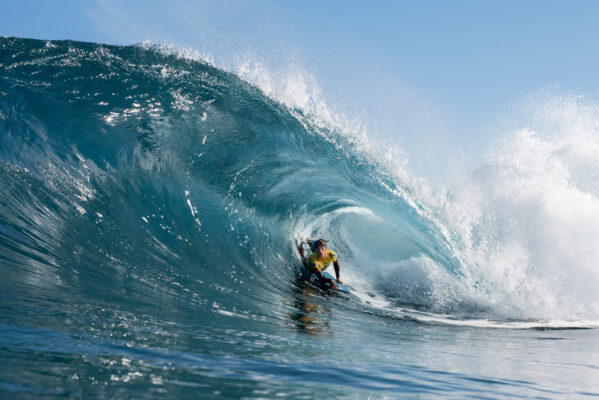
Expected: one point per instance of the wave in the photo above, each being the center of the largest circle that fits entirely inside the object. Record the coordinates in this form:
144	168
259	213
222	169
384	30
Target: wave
134	176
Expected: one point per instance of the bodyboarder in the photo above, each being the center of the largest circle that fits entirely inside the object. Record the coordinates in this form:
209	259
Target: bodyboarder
319	260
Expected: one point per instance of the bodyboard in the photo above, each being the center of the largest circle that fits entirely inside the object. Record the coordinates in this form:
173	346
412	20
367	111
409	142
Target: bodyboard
327	286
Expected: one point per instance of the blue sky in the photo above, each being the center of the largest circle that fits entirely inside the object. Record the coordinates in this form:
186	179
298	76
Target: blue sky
448	73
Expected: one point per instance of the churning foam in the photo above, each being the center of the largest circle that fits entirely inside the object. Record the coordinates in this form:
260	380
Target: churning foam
526	224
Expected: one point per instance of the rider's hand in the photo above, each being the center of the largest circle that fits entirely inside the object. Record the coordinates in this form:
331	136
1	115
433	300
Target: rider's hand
339	280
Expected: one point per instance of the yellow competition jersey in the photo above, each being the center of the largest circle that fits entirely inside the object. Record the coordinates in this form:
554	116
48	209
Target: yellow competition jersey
316	263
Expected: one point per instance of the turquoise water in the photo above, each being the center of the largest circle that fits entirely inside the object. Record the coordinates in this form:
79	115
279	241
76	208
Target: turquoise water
149	206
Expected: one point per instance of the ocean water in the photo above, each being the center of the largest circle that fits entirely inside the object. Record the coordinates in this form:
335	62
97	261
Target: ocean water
149	204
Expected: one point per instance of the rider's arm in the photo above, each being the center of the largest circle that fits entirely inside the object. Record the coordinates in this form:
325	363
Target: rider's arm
322	279
336	265
303	256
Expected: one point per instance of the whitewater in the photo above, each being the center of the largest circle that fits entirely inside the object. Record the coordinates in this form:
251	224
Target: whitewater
149	206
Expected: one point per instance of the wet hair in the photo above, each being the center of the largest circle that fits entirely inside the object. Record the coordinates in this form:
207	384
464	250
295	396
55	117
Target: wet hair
320	243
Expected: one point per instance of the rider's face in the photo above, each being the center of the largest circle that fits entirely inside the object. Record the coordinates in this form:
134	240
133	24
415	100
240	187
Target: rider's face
321	251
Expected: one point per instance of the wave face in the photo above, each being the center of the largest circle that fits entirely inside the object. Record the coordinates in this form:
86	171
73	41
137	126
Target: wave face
149	207
144	170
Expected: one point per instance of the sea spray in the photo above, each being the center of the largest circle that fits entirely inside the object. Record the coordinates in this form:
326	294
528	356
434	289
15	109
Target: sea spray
526	222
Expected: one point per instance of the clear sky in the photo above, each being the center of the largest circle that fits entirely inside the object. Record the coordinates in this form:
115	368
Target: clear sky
444	73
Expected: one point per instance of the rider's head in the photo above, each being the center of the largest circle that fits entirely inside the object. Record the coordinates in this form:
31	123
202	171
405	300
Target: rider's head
320	247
